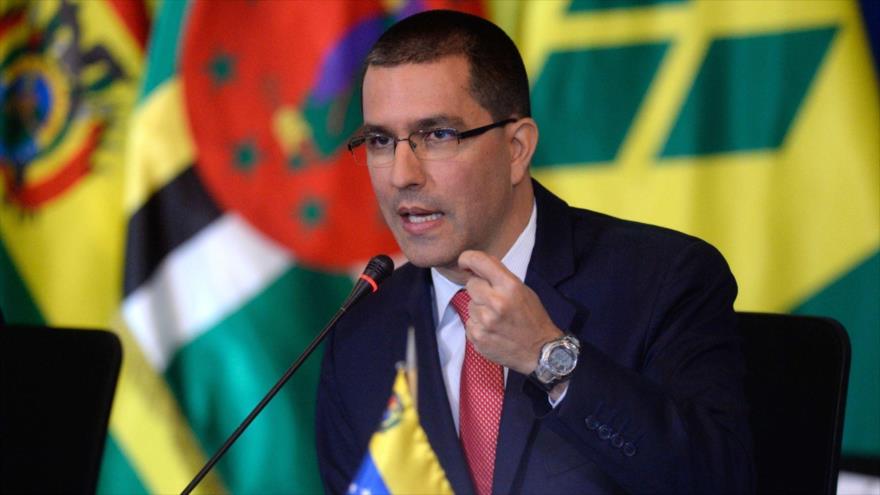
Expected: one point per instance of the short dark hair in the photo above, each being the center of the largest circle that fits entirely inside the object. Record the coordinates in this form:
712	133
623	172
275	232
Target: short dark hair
498	79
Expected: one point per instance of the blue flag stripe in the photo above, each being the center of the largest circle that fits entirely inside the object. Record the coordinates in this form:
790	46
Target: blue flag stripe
368	480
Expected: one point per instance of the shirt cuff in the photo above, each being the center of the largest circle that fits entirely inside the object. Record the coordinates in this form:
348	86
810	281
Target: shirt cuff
554	403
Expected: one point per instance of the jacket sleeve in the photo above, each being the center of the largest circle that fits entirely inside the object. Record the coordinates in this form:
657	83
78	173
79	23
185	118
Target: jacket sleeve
678	424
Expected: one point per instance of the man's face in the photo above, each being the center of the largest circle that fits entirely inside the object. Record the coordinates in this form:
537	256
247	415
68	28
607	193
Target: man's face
437	209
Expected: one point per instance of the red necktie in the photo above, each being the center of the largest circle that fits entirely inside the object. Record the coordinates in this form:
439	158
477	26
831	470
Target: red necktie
481	398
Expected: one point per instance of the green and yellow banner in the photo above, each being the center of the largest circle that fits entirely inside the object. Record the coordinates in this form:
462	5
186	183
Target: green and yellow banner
754	125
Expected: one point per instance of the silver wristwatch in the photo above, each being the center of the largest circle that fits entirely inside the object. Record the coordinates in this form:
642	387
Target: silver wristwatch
556	362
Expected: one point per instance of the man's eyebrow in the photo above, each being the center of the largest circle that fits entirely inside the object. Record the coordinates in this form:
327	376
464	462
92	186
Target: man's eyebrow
431	122
373	129
438	121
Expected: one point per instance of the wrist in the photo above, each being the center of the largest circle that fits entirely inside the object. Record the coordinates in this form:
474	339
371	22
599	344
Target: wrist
530	356
556	363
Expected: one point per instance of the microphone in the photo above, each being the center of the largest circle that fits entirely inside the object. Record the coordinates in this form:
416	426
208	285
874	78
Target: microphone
376	271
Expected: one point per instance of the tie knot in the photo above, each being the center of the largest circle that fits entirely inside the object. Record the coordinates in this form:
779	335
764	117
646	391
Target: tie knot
460	302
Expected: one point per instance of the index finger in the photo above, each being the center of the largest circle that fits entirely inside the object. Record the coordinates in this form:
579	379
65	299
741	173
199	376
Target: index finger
486	267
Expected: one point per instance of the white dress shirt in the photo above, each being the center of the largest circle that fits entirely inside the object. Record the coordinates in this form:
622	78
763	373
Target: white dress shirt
450	330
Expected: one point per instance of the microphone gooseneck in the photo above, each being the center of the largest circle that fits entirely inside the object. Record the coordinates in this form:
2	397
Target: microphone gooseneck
377	270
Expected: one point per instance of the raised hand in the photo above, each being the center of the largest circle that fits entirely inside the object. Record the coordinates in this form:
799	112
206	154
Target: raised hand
508	324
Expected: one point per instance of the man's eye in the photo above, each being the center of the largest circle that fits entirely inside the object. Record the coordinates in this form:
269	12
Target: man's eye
377	141
440	135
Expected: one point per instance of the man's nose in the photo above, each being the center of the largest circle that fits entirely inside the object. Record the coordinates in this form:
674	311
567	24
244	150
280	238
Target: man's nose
406	169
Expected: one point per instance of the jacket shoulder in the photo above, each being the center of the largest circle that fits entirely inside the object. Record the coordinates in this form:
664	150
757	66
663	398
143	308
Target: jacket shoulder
602	231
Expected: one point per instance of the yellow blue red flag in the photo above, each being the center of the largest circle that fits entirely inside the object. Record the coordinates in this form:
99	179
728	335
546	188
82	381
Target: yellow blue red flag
400	458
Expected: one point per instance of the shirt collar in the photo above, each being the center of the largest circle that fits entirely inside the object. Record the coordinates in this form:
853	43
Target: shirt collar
516	260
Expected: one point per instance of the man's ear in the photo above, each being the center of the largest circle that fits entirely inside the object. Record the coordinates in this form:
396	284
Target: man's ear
523	139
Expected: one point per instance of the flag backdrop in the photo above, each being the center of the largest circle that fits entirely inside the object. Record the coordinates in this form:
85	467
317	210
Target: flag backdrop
245	223
203	209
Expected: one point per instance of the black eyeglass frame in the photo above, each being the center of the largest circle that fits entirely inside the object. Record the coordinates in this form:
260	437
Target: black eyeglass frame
357	141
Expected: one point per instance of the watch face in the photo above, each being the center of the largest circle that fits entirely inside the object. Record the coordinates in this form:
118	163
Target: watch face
560	360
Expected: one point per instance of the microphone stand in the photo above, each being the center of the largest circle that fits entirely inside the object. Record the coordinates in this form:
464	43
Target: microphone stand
377	270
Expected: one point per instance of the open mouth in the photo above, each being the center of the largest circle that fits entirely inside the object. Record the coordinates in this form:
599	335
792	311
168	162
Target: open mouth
414	216
422	218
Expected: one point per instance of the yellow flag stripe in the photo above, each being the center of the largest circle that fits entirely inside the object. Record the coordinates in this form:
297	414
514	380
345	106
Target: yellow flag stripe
150	429
150	166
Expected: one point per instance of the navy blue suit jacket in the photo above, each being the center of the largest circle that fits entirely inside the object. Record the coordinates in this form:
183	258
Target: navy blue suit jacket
655	404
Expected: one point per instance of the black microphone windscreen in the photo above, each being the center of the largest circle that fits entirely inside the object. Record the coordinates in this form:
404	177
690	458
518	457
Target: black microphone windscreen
379	268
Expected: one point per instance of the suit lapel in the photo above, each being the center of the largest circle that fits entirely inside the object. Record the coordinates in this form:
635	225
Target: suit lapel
434	411
553	255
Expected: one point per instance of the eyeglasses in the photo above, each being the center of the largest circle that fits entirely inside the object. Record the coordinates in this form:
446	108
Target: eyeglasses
376	150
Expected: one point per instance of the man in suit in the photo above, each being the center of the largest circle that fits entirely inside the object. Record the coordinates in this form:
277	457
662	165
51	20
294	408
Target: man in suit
559	350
